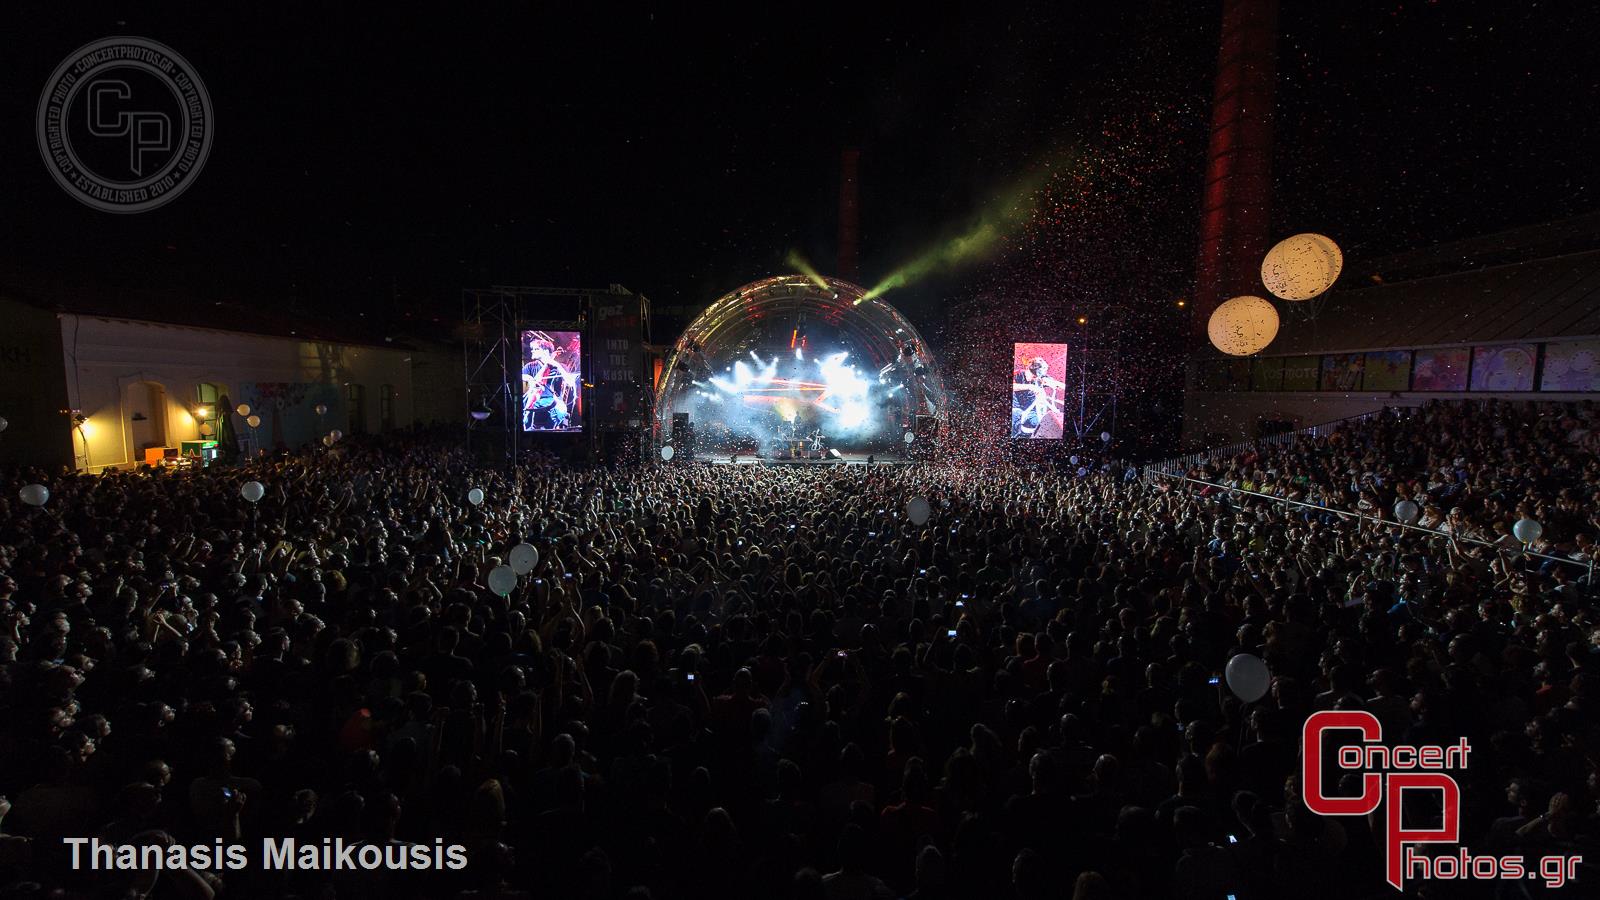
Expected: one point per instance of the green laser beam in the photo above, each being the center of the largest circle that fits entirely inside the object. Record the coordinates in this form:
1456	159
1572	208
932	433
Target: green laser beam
993	223
805	268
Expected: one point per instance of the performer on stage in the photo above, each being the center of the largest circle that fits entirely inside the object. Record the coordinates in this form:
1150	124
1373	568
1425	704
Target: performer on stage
789	439
548	388
1029	399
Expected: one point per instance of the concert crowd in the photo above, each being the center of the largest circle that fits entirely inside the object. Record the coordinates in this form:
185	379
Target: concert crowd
759	681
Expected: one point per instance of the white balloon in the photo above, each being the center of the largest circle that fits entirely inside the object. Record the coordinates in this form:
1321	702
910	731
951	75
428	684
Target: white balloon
1105	437
667	452
524	558
242	409
475	496
34	494
1527	530
502	580
322	409
327	440
1073	460
918	510
253	421
1243	326
1248	677
1082	471
4	424
252	491
336	434
910	436
1406	511
1302	267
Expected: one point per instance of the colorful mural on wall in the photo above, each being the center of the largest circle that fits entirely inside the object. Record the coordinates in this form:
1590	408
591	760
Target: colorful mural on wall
1342	372
1300	373
1506	367
288	412
1571	366
1387	370
1441	370
1557	366
1267	373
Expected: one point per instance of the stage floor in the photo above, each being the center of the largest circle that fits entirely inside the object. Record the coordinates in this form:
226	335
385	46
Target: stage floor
853	459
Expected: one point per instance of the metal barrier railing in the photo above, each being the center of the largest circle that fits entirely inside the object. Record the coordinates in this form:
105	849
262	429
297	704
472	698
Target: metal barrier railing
1182	464
1379	520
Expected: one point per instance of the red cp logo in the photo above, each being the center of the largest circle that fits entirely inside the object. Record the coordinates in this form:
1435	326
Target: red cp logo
1387	772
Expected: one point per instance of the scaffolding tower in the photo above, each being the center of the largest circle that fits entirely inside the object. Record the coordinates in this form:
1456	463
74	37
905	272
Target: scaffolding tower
1094	372
493	319
490	358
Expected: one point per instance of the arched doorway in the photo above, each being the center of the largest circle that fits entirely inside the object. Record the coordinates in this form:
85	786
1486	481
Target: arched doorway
146	404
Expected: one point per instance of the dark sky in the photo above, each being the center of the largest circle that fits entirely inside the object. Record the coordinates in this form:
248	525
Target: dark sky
364	154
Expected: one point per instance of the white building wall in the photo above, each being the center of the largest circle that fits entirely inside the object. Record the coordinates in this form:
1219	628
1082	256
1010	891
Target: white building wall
105	357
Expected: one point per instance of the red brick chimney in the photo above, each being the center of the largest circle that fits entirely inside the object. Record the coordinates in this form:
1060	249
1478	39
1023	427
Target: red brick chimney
849	216
1235	217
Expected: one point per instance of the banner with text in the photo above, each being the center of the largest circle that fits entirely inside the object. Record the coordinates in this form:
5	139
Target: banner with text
617	359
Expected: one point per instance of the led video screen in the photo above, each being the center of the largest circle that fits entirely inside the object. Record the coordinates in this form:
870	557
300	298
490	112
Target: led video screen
552	381
1037	391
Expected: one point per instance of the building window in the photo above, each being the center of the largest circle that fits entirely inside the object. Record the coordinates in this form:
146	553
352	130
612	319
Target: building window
386	407
354	403
206	397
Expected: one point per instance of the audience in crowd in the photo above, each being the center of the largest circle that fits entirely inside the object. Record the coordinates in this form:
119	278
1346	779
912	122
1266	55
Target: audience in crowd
751	681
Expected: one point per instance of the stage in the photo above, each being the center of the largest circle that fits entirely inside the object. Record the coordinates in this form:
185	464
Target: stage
781	370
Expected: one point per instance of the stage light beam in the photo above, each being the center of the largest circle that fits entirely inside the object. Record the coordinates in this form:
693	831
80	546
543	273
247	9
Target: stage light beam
804	268
994	222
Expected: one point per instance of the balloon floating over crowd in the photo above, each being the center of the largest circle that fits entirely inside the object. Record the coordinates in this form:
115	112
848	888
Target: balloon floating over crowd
1243	326
1296	269
918	510
1248	677
502	580
1302	267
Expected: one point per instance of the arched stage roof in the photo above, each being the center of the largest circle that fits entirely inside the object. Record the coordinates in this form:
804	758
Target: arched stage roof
765	313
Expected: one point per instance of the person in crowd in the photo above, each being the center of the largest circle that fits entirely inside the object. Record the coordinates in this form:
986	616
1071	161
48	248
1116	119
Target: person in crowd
734	681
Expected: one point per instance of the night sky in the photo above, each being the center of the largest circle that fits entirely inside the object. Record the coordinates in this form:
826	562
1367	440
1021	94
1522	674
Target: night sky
376	161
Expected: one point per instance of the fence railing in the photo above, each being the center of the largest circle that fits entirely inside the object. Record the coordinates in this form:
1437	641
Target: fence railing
1181	465
1184	478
